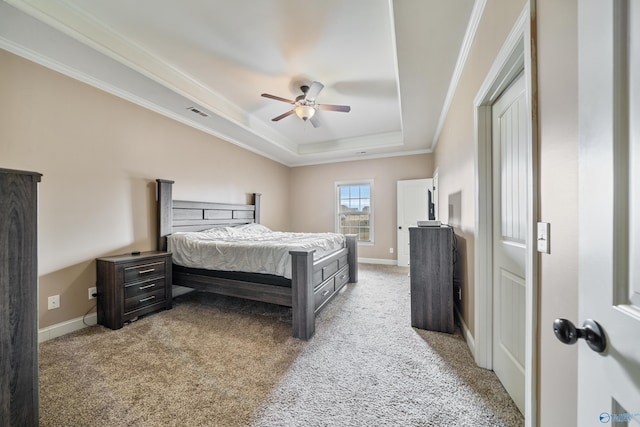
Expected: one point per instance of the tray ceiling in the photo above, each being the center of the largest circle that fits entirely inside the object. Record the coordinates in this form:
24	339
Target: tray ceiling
391	61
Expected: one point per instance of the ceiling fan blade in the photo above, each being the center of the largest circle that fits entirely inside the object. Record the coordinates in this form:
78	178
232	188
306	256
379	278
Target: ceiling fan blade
277	98
328	107
314	121
282	116
313	91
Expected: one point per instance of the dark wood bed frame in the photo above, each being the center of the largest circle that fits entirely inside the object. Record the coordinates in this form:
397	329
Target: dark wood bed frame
313	282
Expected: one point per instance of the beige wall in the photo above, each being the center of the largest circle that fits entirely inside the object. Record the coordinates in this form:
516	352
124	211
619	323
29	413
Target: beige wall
100	157
313	196
558	127
454	154
454	158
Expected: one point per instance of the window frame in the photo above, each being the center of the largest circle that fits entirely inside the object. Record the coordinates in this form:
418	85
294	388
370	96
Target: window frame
338	185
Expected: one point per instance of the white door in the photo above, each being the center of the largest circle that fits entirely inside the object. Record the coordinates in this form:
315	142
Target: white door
510	159
609	223
412	207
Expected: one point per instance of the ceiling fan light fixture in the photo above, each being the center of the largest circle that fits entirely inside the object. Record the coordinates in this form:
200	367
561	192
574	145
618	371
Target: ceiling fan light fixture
305	112
305	105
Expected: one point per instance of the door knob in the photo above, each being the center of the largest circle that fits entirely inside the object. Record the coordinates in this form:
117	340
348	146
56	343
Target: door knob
591	332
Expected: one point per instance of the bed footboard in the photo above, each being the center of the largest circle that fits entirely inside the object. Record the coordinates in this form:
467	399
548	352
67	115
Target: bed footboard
313	284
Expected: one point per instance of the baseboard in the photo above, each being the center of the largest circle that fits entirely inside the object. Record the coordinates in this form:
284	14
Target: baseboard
378	261
466	333
63	328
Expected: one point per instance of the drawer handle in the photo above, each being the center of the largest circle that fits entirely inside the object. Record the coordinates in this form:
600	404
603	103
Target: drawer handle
343	276
324	294
148	298
147	287
146	271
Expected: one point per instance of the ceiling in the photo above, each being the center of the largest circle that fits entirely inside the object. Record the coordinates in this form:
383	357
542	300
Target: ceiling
392	61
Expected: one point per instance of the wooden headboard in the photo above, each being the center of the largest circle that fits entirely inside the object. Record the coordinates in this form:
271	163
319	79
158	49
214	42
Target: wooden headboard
181	215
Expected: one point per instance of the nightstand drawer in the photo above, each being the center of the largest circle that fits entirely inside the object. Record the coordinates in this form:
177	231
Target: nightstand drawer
139	288
144	270
144	300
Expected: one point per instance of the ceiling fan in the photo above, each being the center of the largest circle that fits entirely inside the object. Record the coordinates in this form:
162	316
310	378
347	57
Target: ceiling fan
305	104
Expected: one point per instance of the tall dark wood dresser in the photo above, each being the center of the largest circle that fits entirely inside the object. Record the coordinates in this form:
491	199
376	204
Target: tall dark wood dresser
431	269
19	398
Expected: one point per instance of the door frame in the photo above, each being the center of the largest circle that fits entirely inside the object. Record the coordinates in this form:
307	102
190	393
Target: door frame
517	54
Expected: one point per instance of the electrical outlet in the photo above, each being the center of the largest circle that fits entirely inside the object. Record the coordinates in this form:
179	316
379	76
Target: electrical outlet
53	302
390	250
92	291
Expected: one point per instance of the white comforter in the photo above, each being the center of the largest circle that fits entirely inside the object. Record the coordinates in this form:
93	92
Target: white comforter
250	248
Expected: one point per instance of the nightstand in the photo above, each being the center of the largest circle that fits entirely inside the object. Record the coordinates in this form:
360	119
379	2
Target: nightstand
132	285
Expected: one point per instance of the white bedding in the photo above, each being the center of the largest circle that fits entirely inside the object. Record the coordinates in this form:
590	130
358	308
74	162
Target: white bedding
251	248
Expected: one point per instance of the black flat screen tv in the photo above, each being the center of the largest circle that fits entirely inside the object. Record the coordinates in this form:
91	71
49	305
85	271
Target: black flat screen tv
431	206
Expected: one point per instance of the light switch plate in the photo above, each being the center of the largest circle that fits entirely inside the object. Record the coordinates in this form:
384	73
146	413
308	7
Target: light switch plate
543	239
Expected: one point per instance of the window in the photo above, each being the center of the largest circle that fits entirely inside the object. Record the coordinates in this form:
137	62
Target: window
355	209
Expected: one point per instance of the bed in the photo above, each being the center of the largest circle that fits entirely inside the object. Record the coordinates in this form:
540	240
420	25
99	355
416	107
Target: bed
312	278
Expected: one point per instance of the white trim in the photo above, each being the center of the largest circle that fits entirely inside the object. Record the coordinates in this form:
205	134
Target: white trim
377	261
483	255
514	55
532	292
466	333
394	44
469	37
494	81
336	208
63	328
66	18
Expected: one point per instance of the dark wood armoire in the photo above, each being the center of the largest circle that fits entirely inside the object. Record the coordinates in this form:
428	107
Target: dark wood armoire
19	391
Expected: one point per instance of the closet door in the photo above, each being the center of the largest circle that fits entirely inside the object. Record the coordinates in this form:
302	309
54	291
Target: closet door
18	298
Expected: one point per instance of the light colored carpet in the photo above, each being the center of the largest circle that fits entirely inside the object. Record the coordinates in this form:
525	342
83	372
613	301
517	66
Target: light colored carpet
217	361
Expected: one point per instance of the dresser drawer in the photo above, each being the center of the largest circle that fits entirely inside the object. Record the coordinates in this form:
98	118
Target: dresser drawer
323	293
342	277
143	300
144	287
144	270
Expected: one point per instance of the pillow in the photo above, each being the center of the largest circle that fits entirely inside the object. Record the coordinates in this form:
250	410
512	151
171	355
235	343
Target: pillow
252	228
216	232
